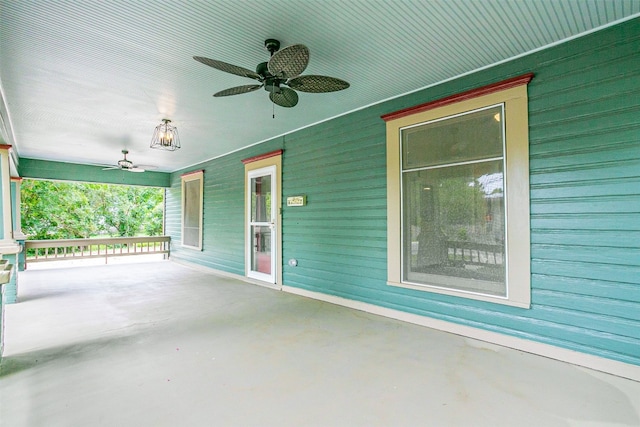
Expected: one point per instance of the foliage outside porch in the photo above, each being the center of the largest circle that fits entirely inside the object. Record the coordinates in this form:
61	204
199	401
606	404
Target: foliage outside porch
76	220
78	210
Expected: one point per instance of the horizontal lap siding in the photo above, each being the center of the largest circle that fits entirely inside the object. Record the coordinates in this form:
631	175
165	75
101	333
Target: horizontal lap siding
172	221
585	194
339	237
60	171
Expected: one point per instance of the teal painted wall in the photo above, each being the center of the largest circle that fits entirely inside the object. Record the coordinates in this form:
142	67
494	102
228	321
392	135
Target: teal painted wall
340	237
584	107
43	169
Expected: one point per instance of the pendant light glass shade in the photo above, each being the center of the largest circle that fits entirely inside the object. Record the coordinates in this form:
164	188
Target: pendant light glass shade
165	137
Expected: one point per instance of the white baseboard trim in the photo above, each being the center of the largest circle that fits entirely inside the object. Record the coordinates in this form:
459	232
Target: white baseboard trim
609	366
210	270
597	363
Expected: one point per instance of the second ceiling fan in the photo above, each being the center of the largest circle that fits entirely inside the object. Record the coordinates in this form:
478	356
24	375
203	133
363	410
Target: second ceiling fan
282	70
127	165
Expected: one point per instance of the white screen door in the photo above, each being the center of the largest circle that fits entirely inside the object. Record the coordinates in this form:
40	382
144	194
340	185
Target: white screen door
261	248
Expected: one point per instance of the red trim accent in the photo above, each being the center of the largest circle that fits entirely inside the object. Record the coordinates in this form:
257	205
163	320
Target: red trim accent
16	178
473	93
5	146
192	173
263	156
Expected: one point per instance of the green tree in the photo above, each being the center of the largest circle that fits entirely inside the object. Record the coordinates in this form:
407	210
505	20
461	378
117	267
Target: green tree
129	211
66	210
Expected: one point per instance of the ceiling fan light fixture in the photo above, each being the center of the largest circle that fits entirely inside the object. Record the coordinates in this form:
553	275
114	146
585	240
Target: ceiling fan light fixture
165	137
125	164
272	85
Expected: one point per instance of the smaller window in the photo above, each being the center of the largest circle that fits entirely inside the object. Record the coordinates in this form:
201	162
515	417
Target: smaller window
192	196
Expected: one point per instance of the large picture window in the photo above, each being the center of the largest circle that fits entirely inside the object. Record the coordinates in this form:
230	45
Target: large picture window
459	196
192	189
453	222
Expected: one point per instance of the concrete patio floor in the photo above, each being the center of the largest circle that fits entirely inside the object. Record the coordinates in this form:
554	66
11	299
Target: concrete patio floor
162	344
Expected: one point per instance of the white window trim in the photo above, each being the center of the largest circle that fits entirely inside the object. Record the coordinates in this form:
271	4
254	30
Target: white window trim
515	100
188	177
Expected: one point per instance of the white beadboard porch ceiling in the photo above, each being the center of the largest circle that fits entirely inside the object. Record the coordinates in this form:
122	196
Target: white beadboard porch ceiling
83	79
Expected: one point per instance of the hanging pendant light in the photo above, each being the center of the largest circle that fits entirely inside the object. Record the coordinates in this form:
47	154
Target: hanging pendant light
165	137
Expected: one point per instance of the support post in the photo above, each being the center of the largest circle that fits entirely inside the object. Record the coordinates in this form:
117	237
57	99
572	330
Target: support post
9	248
16	204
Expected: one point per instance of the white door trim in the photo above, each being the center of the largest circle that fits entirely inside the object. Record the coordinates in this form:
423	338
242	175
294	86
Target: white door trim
273	224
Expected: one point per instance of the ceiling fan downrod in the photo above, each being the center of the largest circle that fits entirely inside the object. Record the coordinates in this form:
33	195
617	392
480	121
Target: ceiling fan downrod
272	45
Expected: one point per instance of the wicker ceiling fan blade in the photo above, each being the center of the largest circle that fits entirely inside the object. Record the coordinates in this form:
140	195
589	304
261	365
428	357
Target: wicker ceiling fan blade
285	97
317	84
229	68
237	90
289	62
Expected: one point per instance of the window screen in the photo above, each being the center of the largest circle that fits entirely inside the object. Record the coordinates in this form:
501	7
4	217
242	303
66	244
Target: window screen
453	204
192	210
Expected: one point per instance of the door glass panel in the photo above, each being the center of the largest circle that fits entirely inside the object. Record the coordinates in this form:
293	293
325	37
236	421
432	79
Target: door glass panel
261	199
261	251
261	227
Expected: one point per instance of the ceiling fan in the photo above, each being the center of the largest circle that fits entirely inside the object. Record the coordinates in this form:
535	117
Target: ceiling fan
126	165
283	69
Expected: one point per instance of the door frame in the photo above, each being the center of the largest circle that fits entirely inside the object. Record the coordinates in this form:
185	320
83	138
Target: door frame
263	162
252	175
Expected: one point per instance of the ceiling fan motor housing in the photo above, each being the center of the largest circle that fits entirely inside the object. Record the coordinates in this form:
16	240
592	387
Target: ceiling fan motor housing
262	69
125	164
271	82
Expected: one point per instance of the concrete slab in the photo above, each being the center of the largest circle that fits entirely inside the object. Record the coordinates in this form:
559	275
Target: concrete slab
161	344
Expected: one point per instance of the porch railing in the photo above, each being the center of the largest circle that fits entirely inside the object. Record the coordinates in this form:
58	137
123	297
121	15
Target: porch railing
67	249
475	253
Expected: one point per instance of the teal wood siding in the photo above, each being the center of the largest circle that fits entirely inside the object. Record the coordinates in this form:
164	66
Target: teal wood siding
585	188
340	237
43	169
584	117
